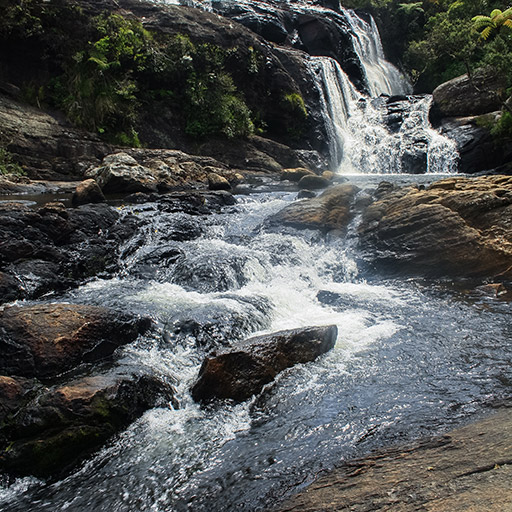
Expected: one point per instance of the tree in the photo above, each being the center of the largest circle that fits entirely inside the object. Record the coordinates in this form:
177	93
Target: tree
493	24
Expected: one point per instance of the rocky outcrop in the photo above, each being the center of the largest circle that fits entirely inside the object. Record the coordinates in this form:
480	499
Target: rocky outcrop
45	145
46	340
242	370
456	227
467	469
463	96
478	150
45	431
332	210
51	247
147	171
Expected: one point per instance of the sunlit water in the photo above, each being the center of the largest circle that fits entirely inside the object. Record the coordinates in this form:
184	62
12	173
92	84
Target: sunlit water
411	359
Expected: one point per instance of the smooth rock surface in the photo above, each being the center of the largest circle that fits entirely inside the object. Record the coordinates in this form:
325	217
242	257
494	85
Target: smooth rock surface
331	210
242	370
470	469
464	97
87	191
46	340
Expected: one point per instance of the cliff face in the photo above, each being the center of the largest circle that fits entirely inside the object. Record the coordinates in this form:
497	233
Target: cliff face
266	49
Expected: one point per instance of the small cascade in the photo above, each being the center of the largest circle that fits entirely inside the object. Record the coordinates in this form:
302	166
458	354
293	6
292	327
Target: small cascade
381	75
383	135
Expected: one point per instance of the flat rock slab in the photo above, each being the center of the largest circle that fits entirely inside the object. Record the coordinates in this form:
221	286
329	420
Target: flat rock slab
331	210
241	371
45	340
469	470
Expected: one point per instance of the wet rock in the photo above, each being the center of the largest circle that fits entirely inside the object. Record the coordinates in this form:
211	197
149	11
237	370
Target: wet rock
242	371
219	323
47	430
216	182
456	227
296	174
88	191
466	469
46	340
477	148
331	210
464	97
10	287
306	194
121	173
313	182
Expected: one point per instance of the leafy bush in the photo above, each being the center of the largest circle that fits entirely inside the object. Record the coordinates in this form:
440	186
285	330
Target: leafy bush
8	165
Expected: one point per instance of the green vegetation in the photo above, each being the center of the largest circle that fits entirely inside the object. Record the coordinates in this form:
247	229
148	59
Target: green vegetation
103	72
436	40
8	165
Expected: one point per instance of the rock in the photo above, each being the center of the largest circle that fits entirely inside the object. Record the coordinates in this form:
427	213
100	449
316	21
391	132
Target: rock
46	147
53	248
242	370
331	210
456	227
306	194
120	173
311	182
466	469
328	175
216	182
54	428
46	340
88	191
464	97
477	148
296	174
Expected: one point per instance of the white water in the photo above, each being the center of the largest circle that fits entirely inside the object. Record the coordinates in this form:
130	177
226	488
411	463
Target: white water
381	75
360	142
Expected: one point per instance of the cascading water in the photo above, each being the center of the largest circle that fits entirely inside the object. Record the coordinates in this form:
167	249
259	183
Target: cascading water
366	135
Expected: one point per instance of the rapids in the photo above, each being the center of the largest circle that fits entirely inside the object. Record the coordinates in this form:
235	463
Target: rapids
411	360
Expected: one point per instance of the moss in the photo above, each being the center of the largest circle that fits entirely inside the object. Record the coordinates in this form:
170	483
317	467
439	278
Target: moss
52	455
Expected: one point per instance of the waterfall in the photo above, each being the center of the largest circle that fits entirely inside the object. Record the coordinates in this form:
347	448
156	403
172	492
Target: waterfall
378	135
381	75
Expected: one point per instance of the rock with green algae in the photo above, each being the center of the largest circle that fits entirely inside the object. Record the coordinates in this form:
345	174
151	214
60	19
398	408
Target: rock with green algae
46	431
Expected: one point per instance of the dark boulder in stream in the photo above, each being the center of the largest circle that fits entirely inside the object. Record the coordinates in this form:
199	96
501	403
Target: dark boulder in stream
45	340
45	431
241	371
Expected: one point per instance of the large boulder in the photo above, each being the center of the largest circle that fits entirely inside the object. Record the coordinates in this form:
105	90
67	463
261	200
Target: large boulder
463	96
242	370
87	191
331	210
456	227
46	340
44	431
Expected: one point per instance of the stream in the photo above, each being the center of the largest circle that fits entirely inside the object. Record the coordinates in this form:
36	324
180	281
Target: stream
412	359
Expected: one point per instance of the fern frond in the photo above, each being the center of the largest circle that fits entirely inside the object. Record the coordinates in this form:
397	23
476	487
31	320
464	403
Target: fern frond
486	32
496	13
